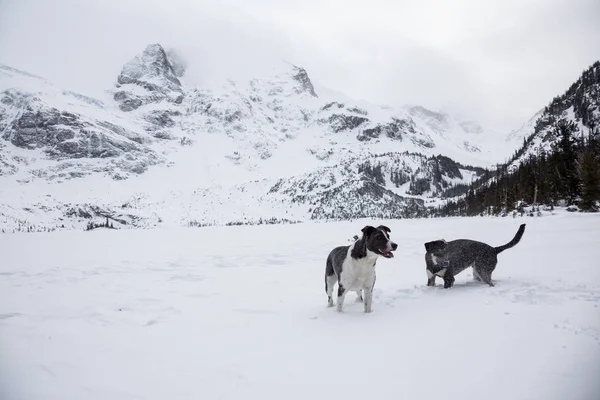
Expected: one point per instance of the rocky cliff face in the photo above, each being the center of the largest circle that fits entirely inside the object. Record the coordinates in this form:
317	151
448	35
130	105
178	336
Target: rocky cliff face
302	78
66	138
63	134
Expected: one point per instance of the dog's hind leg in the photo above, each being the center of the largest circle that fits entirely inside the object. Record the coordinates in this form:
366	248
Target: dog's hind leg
330	281
484	269
341	295
360	296
476	276
486	277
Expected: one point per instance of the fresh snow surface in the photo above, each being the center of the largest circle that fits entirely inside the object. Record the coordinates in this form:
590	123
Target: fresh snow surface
240	313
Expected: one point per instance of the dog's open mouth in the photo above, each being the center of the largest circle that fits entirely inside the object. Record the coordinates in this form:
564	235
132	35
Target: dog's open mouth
386	254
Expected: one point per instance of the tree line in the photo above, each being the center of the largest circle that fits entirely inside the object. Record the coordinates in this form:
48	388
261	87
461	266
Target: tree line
92	225
569	171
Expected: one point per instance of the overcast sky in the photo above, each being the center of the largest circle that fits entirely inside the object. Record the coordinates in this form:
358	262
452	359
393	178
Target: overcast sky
494	61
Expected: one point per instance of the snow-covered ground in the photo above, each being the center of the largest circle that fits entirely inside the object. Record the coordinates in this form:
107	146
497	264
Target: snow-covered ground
240	313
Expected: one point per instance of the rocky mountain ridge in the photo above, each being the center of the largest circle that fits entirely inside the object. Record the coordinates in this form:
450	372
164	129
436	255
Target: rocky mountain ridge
66	158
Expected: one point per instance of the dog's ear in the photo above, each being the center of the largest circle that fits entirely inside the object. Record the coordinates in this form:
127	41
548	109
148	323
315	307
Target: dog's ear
367	230
435	245
384	228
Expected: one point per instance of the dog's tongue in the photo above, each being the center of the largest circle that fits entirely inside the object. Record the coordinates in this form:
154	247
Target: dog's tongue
387	254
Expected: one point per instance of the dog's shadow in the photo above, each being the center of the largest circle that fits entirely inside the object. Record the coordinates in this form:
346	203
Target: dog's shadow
468	285
461	287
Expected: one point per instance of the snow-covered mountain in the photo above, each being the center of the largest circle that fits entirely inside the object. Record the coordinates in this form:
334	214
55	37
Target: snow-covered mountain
518	136
579	104
155	150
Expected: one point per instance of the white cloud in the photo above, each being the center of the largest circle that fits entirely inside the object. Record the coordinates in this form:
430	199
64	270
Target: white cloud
495	61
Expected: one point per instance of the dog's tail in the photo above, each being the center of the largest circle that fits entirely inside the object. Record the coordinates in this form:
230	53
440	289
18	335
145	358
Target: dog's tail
513	242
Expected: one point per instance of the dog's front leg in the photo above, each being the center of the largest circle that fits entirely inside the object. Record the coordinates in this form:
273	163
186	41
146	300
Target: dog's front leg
430	278
340	299
448	281
368	293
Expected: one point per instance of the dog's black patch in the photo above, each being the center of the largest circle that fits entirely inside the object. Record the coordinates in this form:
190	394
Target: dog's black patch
435	246
360	248
374	240
341	290
384	228
368	230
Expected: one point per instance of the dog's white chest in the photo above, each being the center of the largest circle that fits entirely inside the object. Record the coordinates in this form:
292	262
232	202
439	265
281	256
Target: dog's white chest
440	273
358	274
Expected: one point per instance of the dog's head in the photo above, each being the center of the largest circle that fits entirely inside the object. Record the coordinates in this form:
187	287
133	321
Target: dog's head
378	240
436	247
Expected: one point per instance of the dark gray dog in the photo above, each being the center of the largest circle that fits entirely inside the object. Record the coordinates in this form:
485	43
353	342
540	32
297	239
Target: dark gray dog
448	259
353	266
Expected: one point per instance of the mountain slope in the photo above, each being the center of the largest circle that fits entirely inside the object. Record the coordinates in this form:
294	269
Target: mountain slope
558	163
56	134
152	140
580	104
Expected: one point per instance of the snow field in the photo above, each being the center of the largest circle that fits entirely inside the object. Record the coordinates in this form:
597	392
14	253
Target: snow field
240	312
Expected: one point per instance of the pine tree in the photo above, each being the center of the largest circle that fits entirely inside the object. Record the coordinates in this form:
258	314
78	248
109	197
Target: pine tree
542	180
590	178
566	163
593	142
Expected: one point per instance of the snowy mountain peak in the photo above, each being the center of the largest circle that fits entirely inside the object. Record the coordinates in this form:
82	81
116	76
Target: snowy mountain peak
471	127
178	63
149	77
525	130
302	77
425	113
11	72
151	64
443	122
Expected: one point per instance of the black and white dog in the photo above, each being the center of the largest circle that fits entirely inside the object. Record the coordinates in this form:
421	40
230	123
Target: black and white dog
448	259
353	266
